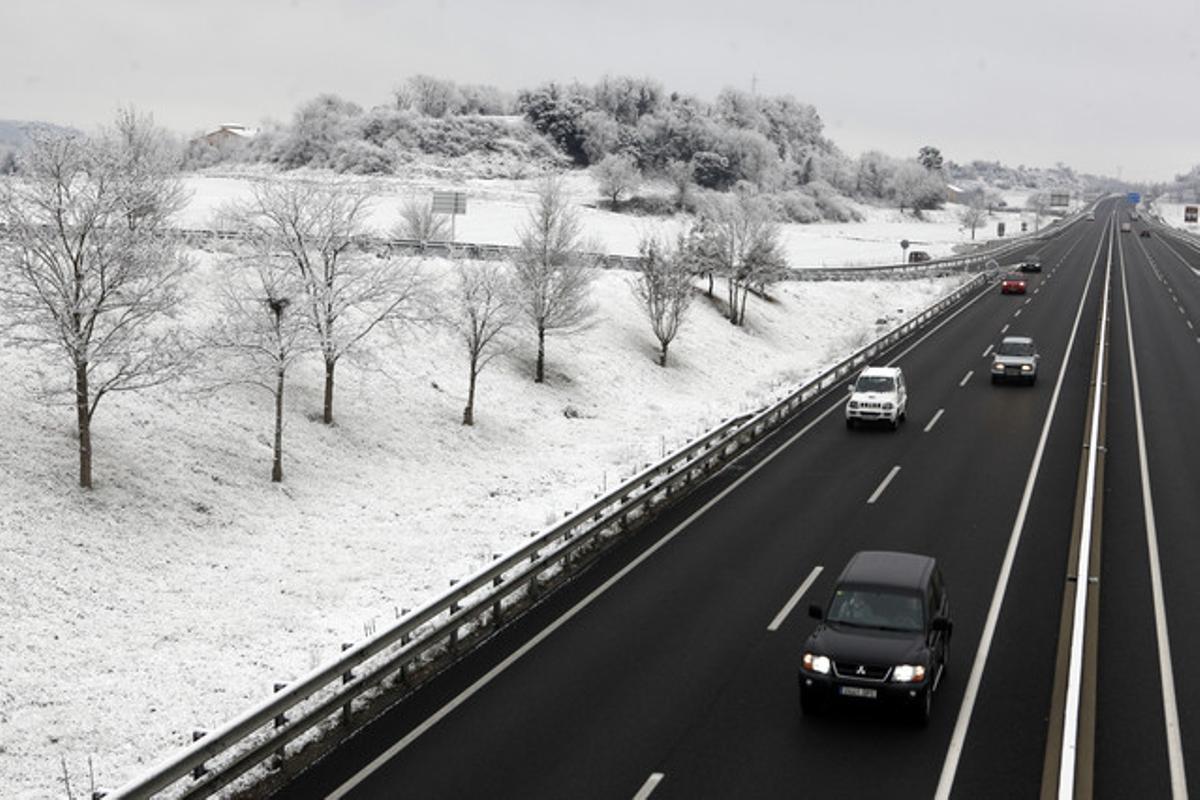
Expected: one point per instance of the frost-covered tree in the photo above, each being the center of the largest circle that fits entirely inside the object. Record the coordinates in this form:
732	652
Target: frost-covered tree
484	312
663	287
875	170
742	238
681	174
974	215
913	186
617	175
434	97
552	275
1037	203
316	129
417	221
90	270
262	331
930	158
348	291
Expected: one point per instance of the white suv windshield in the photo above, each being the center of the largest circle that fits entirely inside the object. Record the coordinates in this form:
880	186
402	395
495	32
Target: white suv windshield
874	383
1015	349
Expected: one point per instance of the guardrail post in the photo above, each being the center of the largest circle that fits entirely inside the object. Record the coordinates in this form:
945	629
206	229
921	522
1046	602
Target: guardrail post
497	607
404	640
454	633
199	771
280	721
347	676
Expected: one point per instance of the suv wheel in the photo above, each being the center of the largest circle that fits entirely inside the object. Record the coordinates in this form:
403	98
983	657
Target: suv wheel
923	708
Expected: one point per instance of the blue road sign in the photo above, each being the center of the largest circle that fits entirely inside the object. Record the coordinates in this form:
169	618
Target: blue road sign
1134	198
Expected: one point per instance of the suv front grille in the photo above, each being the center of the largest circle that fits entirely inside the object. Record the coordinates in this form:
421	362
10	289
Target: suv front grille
861	672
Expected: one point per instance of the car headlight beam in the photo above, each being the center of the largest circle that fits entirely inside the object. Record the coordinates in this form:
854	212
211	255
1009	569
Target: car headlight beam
816	663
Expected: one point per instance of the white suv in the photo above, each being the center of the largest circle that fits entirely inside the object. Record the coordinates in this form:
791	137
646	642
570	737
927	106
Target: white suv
878	394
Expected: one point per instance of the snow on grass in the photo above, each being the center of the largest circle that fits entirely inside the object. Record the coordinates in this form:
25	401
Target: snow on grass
496	207
172	595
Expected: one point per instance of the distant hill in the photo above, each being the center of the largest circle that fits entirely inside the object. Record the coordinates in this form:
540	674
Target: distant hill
14	133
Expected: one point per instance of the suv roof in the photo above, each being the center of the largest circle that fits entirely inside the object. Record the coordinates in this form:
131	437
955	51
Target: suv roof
1017	339
888	568
880	372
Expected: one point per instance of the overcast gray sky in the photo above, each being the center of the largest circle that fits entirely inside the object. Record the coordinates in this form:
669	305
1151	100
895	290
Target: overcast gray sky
1102	85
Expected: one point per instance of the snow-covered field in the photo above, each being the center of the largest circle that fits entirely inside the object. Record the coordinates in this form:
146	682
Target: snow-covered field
174	593
496	207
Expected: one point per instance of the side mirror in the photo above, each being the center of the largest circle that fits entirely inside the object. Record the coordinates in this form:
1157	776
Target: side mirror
815	612
849	387
942	624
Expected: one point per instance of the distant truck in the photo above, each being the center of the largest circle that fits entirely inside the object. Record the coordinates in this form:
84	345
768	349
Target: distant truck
1126	227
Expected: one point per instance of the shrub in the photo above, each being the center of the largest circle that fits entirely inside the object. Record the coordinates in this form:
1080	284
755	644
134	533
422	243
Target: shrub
797	206
361	158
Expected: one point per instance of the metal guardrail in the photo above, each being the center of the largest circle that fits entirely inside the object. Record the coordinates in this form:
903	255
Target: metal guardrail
486	600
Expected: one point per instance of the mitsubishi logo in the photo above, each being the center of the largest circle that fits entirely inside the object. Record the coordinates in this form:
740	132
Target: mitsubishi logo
861	670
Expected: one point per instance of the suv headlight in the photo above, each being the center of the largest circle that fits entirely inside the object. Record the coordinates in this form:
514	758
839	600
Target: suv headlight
887	406
908	673
854	404
997	366
1027	368
815	663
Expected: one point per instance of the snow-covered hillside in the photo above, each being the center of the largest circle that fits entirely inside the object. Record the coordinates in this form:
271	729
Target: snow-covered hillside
185	583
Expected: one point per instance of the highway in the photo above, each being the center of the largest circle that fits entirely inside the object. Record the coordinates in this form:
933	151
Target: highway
669	669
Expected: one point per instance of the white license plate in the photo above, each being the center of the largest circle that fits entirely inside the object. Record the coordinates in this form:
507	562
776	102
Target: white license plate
857	691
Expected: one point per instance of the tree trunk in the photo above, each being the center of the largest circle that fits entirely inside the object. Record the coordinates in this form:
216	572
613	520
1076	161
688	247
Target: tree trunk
742	310
328	416
710	283
82	401
541	356
277	462
733	301
469	411
662	359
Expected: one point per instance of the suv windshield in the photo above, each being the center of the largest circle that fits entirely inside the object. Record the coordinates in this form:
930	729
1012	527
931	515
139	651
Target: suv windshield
1015	349
874	383
876	608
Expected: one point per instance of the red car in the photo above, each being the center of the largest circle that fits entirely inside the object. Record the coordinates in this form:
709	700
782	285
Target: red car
1013	284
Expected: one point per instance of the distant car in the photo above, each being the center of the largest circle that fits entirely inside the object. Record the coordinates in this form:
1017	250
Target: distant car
1126	227
1031	264
879	395
1013	284
1144	233
917	256
1091	216
883	639
1015	359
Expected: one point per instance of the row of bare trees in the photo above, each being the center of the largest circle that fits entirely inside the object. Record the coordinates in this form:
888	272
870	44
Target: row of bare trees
89	272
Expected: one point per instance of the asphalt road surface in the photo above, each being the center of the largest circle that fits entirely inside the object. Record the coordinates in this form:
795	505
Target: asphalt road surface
671	669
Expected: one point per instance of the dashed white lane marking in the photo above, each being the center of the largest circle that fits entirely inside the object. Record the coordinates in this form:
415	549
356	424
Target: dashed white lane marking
933	421
1189	322
986	352
649	786
1028	300
1004	329
1181	311
966	377
794	599
884	485
1017	313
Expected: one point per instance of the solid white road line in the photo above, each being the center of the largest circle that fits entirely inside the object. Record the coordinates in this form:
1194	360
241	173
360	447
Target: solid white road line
1070	731
879	489
1165	669
933	421
649	786
541	636
966	377
963	722
986	352
795	598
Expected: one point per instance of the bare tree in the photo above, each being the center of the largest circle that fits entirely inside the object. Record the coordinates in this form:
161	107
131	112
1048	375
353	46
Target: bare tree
682	175
1037	203
617	175
552	275
348	292
262	331
484	313
417	221
974	215
89	271
663	286
743	239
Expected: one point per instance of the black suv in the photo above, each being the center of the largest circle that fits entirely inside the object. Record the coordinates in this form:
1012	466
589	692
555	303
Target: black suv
885	637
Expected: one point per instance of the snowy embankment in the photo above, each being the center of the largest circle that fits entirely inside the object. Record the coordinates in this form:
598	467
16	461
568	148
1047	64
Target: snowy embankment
494	207
172	595
1172	214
